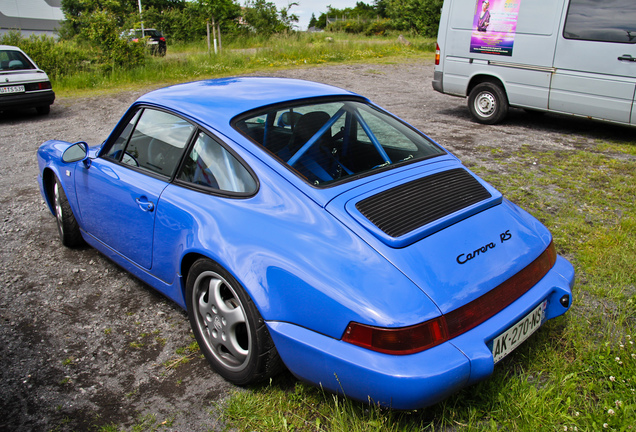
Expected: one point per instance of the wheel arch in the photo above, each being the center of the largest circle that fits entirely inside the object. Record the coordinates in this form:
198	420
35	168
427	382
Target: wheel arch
188	261
484	78
48	180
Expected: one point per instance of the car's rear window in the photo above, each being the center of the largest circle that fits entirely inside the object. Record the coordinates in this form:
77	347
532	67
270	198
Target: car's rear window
14	60
330	141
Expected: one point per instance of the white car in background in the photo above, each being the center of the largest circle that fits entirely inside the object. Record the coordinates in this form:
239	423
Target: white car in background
22	83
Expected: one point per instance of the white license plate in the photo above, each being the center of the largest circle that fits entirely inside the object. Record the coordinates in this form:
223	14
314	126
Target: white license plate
506	342
12	89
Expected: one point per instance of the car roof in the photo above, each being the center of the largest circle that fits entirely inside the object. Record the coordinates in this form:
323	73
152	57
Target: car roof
10	47
217	101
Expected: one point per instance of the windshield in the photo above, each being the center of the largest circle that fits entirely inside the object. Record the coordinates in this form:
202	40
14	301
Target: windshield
331	141
14	60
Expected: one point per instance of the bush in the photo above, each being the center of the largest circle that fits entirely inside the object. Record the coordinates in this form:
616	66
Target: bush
379	28
55	58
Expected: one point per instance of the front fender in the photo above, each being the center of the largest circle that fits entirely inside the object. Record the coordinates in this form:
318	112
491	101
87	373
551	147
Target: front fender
49	156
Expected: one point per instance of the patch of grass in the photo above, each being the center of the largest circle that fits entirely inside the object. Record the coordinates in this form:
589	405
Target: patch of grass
192	62
577	373
184	355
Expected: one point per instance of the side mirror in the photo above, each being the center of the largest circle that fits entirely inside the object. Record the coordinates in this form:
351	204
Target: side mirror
75	152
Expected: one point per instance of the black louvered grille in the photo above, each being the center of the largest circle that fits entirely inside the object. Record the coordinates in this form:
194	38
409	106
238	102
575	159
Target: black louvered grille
404	208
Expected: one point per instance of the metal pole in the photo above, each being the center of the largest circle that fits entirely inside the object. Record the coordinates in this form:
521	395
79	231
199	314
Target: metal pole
141	18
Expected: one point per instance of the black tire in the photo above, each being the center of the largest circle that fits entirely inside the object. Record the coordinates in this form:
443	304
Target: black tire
488	103
227	326
67	225
44	109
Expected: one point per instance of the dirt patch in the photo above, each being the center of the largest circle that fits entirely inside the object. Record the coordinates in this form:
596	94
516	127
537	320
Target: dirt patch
84	344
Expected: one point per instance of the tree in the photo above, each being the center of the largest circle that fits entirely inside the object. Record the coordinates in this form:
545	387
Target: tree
223	11
360	11
263	17
77	13
313	22
421	16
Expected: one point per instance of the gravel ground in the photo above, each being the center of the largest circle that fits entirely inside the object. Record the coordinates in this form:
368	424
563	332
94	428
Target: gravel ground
84	344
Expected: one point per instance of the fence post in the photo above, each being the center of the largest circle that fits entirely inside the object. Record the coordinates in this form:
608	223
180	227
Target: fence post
218	30
214	34
208	25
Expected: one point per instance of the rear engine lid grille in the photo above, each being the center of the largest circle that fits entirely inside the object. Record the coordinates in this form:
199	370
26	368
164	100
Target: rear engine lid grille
407	207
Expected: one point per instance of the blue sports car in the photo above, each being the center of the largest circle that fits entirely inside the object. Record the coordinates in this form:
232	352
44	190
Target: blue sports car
302	226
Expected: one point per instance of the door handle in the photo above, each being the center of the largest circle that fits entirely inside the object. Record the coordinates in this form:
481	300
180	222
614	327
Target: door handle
144	204
627	57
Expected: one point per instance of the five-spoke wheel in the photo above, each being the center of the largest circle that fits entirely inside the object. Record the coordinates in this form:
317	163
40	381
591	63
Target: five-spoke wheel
227	325
67	225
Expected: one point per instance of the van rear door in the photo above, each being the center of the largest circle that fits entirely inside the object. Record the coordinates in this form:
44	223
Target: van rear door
595	61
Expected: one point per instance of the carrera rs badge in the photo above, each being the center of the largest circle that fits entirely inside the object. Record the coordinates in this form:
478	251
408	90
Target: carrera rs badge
465	257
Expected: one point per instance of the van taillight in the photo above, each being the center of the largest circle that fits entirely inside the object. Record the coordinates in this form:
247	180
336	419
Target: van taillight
437	54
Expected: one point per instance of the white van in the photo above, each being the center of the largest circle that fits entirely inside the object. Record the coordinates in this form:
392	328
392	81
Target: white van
565	56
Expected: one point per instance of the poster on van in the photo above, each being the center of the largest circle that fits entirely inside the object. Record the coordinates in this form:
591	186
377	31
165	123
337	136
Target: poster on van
494	27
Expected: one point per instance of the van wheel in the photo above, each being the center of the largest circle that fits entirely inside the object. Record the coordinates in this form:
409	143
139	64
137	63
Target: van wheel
488	103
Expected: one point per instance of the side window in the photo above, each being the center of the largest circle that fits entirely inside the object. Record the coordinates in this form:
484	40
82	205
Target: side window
155	142
116	151
210	164
602	21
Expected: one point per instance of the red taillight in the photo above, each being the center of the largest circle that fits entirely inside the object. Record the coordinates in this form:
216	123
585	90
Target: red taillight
436	53
163	39
405	340
479	310
135	40
413	339
44	85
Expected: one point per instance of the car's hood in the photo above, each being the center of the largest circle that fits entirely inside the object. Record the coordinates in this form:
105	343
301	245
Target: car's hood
448	231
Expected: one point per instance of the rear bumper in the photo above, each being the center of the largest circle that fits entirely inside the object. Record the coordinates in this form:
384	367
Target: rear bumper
27	100
438	85
417	380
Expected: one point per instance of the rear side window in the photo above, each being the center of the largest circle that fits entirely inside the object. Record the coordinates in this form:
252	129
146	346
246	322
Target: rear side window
602	21
210	165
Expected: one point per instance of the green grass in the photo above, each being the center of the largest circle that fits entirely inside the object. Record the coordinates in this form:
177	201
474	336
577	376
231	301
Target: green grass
577	373
192	62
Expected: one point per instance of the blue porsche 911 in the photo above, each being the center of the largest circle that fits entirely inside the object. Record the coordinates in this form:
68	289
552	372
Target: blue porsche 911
302	226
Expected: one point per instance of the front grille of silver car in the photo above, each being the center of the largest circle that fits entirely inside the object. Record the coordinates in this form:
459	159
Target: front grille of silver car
404	208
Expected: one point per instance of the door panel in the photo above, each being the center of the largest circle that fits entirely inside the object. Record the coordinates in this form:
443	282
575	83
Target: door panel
118	206
590	79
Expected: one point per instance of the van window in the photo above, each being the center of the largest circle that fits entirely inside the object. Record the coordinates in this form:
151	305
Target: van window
606	21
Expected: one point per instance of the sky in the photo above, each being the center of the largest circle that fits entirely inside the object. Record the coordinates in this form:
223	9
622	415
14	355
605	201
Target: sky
306	7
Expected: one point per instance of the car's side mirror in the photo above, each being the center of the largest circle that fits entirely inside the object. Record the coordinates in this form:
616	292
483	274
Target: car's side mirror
75	152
